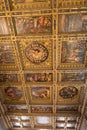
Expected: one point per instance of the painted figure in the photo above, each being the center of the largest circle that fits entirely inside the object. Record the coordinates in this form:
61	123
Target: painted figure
73	51
40	92
39	77
13	92
33	25
36	52
72	22
68	92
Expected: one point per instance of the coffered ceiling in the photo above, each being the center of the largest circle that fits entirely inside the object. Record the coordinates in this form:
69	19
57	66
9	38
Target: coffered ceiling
43	64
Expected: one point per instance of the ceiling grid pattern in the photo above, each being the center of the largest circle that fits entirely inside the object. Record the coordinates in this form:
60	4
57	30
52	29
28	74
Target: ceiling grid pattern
43	63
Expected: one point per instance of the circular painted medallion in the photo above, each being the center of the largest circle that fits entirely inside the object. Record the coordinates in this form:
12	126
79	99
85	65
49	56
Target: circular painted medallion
36	52
68	92
13	92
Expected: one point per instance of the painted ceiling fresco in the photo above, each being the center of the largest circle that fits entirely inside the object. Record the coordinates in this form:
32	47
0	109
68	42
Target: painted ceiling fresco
43	64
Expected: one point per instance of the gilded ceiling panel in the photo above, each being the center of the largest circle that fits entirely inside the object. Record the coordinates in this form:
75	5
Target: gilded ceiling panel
12	93
40	94
72	77
68	126
16	108
39	77
62	108
13	78
36	54
68	94
8	59
16	118
72	23
72	54
20	121
61	123
43	120
12	117
43	63
18	124
41	109
33	25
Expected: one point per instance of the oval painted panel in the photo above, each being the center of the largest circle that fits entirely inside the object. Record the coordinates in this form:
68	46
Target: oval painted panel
36	52
68	92
13	92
